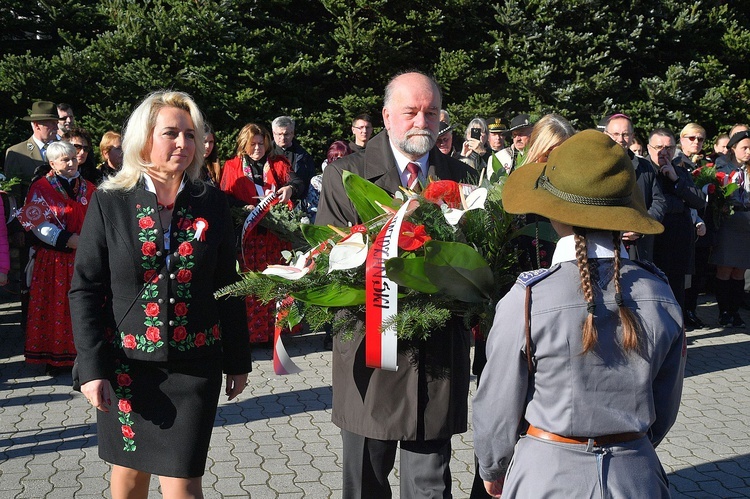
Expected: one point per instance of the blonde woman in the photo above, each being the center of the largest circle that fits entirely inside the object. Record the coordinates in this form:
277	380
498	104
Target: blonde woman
152	341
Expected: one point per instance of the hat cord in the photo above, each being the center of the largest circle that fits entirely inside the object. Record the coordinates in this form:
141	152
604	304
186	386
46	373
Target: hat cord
544	182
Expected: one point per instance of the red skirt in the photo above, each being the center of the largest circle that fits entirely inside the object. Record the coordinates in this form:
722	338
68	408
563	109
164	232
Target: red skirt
49	334
261	248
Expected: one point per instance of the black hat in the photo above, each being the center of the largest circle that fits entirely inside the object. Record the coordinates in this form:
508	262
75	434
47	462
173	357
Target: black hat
42	111
496	125
444	128
520	121
734	139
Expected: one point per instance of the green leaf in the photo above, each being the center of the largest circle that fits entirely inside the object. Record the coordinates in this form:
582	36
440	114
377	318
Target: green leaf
458	270
410	272
332	295
316	234
364	195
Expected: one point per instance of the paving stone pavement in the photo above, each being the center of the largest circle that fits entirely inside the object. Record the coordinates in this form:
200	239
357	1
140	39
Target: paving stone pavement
278	441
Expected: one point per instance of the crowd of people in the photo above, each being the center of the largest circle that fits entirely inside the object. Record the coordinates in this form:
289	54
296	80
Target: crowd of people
121	259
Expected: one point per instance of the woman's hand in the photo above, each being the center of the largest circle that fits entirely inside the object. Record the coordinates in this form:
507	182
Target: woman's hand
469	146
99	393
285	193
235	384
72	242
700	229
495	489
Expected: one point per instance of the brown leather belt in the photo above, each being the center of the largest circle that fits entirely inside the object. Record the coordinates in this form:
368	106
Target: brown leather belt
602	441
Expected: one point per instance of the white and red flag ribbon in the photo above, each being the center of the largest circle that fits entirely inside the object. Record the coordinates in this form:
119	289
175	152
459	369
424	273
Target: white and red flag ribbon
381	296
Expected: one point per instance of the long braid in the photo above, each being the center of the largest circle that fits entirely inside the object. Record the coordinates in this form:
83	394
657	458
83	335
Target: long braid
589	334
627	317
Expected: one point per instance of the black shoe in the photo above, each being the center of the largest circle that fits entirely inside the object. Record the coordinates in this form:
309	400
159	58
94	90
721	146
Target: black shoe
692	320
725	319
737	321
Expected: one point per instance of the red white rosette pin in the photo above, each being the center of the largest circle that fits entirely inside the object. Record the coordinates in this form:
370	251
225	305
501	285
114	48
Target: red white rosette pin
200	226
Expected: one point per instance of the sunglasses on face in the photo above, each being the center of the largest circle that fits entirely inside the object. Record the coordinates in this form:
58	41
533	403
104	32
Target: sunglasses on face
80	147
693	138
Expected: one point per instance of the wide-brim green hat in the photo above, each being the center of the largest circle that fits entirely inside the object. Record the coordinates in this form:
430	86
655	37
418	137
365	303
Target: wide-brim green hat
588	181
42	111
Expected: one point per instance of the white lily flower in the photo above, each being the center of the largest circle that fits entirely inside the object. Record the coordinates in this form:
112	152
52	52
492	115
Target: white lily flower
474	201
349	253
292	272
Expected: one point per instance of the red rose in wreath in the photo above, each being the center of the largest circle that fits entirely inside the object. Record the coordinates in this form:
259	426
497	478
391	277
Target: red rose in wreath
124	406
200	339
443	191
185	249
180	309
179	333
128	341
184	276
152	334
152	309
124	379
146	223
127	431
148	248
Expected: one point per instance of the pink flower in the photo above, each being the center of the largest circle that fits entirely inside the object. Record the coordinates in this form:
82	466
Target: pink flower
128	341
146	223
152	334
124	379
185	249
180	309
179	333
124	406
127	431
200	339
152	309
148	248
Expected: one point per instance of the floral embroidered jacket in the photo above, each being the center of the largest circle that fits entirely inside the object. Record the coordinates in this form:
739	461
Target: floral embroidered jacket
162	300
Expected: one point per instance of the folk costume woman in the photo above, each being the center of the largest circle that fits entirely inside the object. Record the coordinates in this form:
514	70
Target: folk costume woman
66	194
152	341
248	178
731	255
586	358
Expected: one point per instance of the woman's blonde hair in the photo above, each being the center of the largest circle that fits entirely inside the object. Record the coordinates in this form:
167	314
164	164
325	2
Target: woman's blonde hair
549	132
246	136
137	139
692	127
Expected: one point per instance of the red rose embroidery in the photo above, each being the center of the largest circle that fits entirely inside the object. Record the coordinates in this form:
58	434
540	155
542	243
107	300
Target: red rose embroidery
128	341
185	249
184	276
124	406
152	309
200	339
146	223
216	331
124	379
180	333
152	334
149	276
127	431
184	224
180	309
148	248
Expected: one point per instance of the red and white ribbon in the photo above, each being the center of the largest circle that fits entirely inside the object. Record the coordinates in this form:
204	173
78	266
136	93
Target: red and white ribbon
381	295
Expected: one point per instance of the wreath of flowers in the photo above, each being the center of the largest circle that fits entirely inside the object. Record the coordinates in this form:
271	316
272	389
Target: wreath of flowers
456	257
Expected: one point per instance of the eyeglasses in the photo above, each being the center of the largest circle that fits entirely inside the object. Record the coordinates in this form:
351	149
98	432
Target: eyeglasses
66	118
624	135
81	147
693	138
659	148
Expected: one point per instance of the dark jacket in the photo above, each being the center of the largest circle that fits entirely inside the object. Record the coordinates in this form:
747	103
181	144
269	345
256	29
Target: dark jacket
656	204
22	160
121	261
427	397
301	161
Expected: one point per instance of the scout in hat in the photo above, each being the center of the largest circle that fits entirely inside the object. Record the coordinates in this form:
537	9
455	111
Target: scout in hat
22	159
519	133
601	341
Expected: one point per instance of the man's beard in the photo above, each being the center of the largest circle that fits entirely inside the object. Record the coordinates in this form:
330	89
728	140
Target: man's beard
417	142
